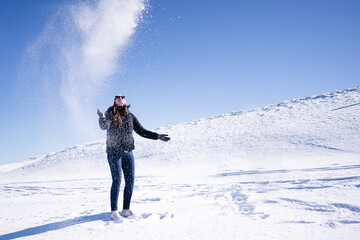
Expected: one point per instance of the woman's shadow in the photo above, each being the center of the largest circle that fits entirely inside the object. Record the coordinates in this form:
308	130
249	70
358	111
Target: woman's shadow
105	217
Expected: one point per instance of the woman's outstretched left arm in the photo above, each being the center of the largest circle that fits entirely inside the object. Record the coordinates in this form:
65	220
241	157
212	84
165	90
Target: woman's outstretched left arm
142	131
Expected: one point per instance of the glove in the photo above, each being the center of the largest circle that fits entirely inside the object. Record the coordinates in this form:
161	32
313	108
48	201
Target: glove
101	115
164	137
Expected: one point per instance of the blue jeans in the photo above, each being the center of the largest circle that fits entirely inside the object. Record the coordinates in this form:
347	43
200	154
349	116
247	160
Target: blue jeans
126	161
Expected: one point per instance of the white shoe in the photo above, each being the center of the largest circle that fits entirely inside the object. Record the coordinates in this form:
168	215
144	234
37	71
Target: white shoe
126	213
115	215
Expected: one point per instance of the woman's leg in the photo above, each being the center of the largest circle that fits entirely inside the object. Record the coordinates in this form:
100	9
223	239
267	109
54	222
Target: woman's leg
113	159
128	167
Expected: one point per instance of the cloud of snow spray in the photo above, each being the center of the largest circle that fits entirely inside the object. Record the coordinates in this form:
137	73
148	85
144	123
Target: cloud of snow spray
78	51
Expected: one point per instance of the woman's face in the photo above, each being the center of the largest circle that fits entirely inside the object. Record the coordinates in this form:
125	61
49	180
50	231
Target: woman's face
119	101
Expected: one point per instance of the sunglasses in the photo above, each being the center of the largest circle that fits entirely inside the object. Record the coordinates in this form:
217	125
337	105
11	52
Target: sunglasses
118	96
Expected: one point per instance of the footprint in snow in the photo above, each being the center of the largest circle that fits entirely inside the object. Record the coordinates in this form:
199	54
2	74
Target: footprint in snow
147	215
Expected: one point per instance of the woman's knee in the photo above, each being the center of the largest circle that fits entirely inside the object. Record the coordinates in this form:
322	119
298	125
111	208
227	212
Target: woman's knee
129	180
116	178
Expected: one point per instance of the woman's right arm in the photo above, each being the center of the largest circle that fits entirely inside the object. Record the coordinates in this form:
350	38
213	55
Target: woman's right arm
104	121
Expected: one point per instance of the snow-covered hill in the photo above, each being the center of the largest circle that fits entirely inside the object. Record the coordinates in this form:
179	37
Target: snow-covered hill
326	125
287	170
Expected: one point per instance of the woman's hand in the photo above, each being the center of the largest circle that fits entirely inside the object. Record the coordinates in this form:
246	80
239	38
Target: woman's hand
164	137
101	115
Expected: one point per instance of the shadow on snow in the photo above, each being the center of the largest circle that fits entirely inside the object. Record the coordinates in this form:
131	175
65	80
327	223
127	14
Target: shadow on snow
56	225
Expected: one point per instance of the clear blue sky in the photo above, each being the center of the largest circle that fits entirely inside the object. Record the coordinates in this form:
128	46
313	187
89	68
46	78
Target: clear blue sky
188	60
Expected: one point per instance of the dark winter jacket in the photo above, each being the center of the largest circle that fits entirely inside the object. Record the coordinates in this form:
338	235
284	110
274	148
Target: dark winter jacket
121	139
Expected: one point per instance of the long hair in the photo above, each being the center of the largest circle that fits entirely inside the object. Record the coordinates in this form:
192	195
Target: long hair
116	115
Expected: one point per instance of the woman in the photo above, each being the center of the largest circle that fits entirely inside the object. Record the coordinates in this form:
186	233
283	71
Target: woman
120	123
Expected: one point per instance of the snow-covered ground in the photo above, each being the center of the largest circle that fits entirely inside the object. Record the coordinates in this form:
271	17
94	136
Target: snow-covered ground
285	171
